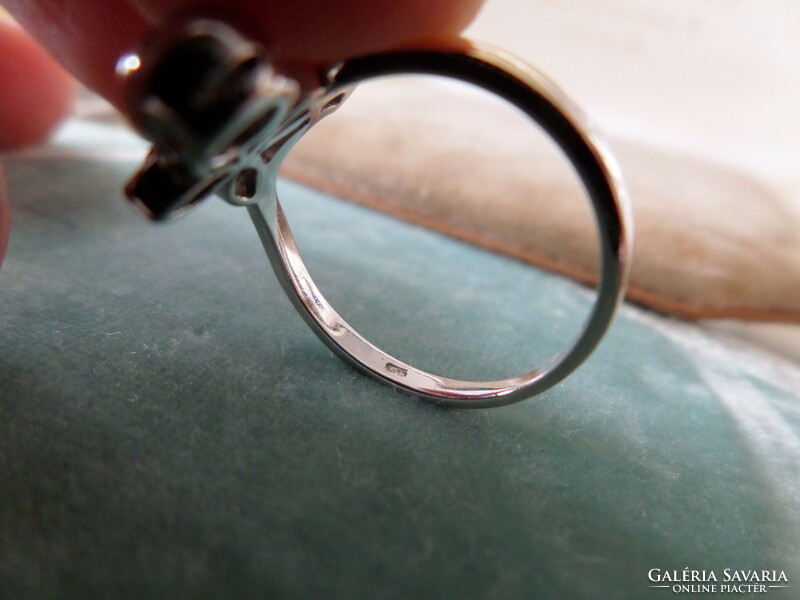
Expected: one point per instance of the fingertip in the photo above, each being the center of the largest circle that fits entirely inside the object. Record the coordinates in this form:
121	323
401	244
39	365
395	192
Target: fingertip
89	36
329	31
85	36
36	92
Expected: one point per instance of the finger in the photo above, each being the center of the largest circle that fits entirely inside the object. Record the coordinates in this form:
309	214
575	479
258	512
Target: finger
89	35
328	31
86	36
35	92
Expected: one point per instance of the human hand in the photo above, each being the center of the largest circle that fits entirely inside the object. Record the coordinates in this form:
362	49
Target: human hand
88	36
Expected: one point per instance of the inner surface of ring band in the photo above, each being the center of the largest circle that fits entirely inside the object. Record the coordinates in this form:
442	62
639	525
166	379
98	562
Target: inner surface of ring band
541	101
350	344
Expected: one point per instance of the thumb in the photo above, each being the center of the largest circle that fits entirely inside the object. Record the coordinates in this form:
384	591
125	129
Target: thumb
36	92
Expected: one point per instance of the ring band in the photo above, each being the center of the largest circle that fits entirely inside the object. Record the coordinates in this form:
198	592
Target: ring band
238	158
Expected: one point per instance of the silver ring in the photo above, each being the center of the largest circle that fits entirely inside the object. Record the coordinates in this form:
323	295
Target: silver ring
222	118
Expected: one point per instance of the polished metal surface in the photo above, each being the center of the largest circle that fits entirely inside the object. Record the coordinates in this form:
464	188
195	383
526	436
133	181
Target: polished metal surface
223	118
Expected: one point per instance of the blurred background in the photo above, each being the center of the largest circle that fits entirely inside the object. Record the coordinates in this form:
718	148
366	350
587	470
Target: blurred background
712	77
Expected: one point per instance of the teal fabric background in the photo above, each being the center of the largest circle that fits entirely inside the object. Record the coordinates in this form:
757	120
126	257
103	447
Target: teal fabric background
169	427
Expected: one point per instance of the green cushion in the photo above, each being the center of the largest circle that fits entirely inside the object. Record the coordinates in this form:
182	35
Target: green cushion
169	427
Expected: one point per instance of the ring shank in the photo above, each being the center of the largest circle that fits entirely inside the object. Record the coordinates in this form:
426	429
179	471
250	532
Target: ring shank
544	103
